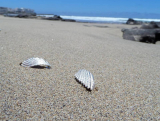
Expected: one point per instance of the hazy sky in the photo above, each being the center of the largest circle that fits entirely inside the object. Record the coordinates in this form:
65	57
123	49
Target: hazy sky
87	7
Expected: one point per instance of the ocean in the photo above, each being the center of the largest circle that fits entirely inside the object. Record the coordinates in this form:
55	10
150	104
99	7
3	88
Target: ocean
100	19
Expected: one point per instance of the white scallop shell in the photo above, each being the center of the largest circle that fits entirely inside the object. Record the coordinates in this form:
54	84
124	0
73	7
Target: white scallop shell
33	62
86	78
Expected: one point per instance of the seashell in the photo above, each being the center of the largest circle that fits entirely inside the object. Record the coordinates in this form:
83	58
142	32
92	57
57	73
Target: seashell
35	62
86	78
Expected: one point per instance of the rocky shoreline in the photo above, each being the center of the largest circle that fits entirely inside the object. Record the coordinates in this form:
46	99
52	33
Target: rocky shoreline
25	15
147	32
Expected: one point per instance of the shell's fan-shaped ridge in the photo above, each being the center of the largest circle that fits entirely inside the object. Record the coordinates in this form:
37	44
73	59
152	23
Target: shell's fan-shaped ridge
35	62
86	78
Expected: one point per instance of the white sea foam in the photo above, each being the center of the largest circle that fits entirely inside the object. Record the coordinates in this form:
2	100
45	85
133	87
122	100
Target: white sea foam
101	19
96	19
106	19
147	20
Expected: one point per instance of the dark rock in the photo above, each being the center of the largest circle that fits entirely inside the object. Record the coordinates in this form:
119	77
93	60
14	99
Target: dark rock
151	25
157	36
156	23
51	18
69	20
142	35
131	21
55	17
147	39
142	32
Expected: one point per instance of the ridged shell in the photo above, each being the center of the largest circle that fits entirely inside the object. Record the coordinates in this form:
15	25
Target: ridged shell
86	78
33	62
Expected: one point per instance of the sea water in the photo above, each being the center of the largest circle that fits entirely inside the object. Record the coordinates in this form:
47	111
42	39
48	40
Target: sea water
101	19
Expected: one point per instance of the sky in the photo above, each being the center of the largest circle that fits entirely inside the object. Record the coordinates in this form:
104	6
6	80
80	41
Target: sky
107	8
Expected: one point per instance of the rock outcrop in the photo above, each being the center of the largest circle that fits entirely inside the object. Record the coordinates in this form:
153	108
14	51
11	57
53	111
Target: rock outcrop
56	17
151	25
69	20
149	33
131	21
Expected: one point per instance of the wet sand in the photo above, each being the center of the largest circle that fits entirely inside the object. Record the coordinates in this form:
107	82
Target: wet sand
126	73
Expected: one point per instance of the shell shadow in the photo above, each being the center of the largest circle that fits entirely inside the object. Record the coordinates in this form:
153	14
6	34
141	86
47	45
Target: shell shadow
38	67
82	84
41	67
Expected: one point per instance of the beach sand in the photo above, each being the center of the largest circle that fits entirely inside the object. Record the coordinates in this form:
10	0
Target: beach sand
126	73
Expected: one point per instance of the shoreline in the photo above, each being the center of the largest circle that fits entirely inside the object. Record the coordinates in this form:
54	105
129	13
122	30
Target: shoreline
72	19
79	21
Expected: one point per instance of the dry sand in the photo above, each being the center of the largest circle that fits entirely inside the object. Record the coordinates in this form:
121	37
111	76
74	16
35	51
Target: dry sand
126	73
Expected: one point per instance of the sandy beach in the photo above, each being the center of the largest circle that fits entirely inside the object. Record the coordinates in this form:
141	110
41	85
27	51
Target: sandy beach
126	73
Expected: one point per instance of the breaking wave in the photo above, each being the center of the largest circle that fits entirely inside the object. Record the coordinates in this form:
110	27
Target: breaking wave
102	19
